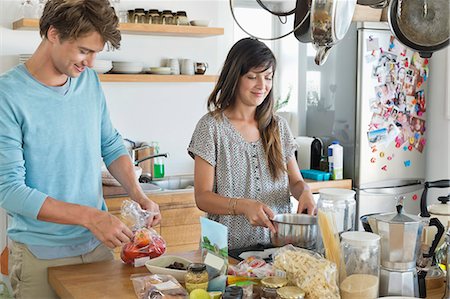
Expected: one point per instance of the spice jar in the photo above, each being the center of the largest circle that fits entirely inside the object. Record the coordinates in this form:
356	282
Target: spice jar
270	285
167	17
196	277
361	254
182	18
290	293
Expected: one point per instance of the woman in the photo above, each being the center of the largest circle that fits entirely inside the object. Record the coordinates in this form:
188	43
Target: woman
245	167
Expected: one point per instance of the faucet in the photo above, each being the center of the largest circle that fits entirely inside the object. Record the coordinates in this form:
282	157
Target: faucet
136	163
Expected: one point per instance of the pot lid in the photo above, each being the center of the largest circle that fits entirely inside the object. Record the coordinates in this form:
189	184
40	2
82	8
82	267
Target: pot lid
441	208
424	22
343	17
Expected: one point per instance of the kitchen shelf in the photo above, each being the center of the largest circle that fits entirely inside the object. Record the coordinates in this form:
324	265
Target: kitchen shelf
156	78
145	29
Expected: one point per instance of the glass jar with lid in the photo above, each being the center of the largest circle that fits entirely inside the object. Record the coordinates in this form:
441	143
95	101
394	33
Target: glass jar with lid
290	292
139	16
270	285
182	18
153	16
361	255
167	17
341	204
196	277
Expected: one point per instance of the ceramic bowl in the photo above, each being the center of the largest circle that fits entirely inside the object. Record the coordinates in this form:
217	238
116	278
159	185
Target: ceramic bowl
158	266
202	23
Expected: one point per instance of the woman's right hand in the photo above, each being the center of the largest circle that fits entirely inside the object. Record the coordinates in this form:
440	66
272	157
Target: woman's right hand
257	213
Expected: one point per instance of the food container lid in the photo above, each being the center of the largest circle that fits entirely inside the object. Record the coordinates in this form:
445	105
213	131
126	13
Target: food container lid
337	194
291	293
274	282
360	238
440	209
197	267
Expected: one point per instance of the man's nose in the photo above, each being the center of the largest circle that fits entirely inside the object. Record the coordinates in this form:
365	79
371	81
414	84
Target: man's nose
89	61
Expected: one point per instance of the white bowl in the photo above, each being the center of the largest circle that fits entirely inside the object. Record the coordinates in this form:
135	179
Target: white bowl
159	70
158	266
202	23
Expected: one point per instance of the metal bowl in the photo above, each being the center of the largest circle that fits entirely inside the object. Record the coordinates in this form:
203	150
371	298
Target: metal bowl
297	229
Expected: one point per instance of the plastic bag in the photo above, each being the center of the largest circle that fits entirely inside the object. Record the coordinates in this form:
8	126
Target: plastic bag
155	286
146	242
309	271
251	267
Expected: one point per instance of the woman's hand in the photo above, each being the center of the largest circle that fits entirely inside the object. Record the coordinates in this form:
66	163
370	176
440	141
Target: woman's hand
306	202
257	213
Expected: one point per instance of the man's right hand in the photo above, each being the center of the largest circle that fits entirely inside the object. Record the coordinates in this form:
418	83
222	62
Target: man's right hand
108	228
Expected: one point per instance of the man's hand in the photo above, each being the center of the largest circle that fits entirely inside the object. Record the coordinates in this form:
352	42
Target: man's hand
108	228
153	208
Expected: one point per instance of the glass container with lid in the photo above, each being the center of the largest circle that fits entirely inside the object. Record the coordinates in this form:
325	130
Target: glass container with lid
167	17
341	204
182	18
196	277
361	255
270	285
290	293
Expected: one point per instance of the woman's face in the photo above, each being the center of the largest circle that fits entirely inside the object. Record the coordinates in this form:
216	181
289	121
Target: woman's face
254	86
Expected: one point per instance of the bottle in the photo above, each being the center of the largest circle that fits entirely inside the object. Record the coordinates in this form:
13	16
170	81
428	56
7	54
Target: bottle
158	164
361	253
336	160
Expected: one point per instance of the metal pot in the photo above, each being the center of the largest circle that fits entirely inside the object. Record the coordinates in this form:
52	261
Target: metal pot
302	19
297	229
330	20
422	25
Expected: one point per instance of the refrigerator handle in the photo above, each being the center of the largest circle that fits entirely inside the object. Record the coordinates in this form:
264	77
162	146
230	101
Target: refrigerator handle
391	190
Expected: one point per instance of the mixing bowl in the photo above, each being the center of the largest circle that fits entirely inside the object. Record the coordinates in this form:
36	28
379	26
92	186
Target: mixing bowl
297	229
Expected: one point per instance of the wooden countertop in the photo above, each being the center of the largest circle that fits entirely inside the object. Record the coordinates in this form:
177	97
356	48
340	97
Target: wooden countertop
107	280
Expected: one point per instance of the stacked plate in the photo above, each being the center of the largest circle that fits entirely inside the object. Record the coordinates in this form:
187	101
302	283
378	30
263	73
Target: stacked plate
24	57
126	67
102	66
158	70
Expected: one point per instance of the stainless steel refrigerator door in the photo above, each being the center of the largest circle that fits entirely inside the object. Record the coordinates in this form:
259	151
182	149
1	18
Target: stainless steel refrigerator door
385	162
382	200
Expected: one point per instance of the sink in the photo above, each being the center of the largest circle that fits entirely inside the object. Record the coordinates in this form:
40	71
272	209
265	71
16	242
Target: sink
149	188
175	183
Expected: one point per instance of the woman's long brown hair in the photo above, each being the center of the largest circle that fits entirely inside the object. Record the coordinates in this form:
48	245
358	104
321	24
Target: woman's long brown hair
246	54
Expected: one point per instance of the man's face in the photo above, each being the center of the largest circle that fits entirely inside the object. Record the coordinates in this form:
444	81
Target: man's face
71	57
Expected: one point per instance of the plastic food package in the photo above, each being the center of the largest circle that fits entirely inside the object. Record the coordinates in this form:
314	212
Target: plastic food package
155	286
309	271
146	242
251	267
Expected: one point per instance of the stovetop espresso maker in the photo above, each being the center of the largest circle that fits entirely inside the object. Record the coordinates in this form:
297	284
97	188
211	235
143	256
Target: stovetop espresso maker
401	238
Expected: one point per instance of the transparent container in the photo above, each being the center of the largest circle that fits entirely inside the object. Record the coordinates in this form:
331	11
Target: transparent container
154	17
182	18
290	293
361	255
270	285
196	277
167	17
341	204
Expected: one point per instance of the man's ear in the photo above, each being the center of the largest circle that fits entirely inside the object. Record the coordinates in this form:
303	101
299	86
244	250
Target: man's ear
53	35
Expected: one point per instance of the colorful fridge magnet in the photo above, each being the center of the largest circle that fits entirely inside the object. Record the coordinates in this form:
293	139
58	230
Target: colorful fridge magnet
410	148
405	148
407	163
381	154
384	168
373	160
389	158
372	43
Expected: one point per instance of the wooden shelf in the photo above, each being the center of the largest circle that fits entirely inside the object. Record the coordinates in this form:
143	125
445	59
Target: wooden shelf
148	29
156	78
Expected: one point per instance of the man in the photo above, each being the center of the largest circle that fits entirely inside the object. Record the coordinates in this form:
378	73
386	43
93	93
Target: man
54	131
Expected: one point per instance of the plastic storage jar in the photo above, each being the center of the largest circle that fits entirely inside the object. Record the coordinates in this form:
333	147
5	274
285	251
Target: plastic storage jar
270	285
290	293
341	204
196	277
361	254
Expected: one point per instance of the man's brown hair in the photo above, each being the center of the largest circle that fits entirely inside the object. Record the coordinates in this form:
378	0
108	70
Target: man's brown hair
76	18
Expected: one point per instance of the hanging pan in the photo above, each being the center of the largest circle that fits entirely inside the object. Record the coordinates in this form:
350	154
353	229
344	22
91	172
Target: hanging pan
422	25
302	21
279	8
330	20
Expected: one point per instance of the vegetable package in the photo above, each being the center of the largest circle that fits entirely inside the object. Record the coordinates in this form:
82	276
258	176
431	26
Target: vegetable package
146	242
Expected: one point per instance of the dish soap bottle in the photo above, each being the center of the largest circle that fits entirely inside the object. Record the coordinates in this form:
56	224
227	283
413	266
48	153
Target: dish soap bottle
158	164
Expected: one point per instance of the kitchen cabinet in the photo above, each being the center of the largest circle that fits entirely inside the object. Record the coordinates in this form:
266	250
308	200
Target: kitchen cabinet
180	224
151	30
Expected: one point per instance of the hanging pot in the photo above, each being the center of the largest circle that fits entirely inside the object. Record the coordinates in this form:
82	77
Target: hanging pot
330	20
422	25
278	8
302	19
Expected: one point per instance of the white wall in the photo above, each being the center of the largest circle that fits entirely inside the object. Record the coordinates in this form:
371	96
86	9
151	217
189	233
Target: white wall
438	122
164	112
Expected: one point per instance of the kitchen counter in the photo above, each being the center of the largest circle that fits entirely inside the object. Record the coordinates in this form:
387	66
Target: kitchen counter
109	279
113	192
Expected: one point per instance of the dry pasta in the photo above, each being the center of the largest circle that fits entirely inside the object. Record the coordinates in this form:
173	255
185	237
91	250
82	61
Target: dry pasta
309	271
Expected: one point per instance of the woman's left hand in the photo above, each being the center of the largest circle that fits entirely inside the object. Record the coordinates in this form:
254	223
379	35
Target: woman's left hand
306	202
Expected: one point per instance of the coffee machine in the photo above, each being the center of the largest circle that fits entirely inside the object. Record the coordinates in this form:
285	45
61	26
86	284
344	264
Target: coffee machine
401	238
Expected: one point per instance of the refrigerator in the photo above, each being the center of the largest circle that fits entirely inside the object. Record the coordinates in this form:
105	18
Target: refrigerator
371	97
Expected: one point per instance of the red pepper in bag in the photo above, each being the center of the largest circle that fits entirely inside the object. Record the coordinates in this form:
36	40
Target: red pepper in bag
146	242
